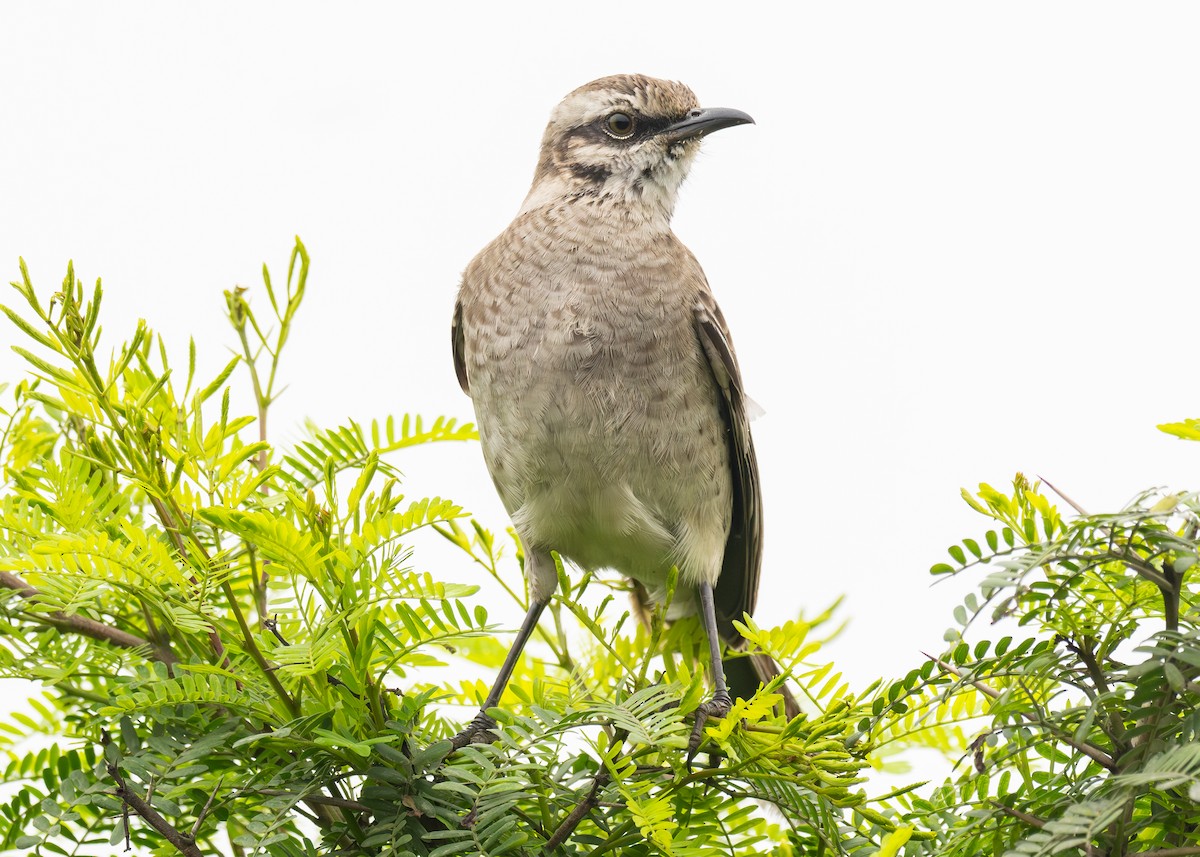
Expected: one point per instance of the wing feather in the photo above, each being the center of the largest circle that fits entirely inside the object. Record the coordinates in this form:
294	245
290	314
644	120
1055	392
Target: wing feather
458	345
737	588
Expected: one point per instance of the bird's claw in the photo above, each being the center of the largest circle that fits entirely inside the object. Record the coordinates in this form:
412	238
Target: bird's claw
717	707
478	731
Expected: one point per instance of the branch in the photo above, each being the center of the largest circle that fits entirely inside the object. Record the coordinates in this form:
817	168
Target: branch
251	648
579	813
171	527
1031	820
1170	596
83	625
183	844
587	803
1068	500
1093	753
204	812
1084	652
1142	568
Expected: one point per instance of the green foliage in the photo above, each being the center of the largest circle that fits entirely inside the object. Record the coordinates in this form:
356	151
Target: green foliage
1085	718
238	654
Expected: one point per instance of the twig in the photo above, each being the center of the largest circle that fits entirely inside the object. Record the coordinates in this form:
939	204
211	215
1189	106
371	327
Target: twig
1143	569
204	812
83	625
1084	652
1067	499
125	826
576	815
1093	753
1170	596
272	625
1031	820
589	801
171	526
251	648
183	843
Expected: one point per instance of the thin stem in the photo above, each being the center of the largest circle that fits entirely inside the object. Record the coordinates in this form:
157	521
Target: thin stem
183	843
1092	752
80	693
588	802
169	520
1026	818
579	812
560	655
261	398
256	654
82	624
204	812
564	656
81	354
1068	500
258	583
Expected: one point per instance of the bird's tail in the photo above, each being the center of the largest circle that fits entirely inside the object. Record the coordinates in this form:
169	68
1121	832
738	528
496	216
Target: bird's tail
746	673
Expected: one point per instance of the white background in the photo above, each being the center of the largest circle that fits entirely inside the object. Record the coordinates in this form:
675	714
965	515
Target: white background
960	242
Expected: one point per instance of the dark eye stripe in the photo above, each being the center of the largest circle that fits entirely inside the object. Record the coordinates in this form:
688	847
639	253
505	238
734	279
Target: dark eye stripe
644	126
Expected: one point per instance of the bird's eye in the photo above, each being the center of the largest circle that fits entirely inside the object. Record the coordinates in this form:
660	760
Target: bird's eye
620	125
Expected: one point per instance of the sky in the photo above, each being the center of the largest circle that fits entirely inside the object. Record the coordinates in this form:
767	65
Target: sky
960	241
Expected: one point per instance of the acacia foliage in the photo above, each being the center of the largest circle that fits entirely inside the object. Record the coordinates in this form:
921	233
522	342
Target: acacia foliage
1088	705
238	652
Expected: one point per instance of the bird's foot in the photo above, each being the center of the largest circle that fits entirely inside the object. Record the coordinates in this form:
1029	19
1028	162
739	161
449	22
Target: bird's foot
478	731
717	707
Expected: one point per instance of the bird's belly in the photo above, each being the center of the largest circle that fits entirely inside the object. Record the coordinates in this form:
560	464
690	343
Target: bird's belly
614	462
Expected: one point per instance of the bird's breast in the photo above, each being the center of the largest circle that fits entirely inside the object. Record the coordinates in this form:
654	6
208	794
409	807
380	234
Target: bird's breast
597	411
586	347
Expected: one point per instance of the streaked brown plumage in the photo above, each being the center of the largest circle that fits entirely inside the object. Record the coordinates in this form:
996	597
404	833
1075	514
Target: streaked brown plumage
608	397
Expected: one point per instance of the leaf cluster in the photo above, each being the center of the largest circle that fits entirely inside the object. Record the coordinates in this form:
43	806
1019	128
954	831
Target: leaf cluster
1078	730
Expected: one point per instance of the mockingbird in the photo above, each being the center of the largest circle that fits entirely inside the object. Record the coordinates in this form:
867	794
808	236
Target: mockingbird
608	397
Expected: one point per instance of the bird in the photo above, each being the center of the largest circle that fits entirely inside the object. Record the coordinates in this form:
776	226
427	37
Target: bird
607	393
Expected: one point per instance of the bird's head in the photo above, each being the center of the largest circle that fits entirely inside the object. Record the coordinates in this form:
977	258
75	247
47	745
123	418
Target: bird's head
629	139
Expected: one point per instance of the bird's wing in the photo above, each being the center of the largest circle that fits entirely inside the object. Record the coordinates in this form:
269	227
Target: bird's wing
737	588
456	342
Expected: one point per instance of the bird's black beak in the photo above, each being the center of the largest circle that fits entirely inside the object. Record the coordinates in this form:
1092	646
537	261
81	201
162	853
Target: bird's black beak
700	122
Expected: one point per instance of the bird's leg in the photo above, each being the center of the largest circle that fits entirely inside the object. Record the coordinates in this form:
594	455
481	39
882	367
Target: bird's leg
720	703
479	730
